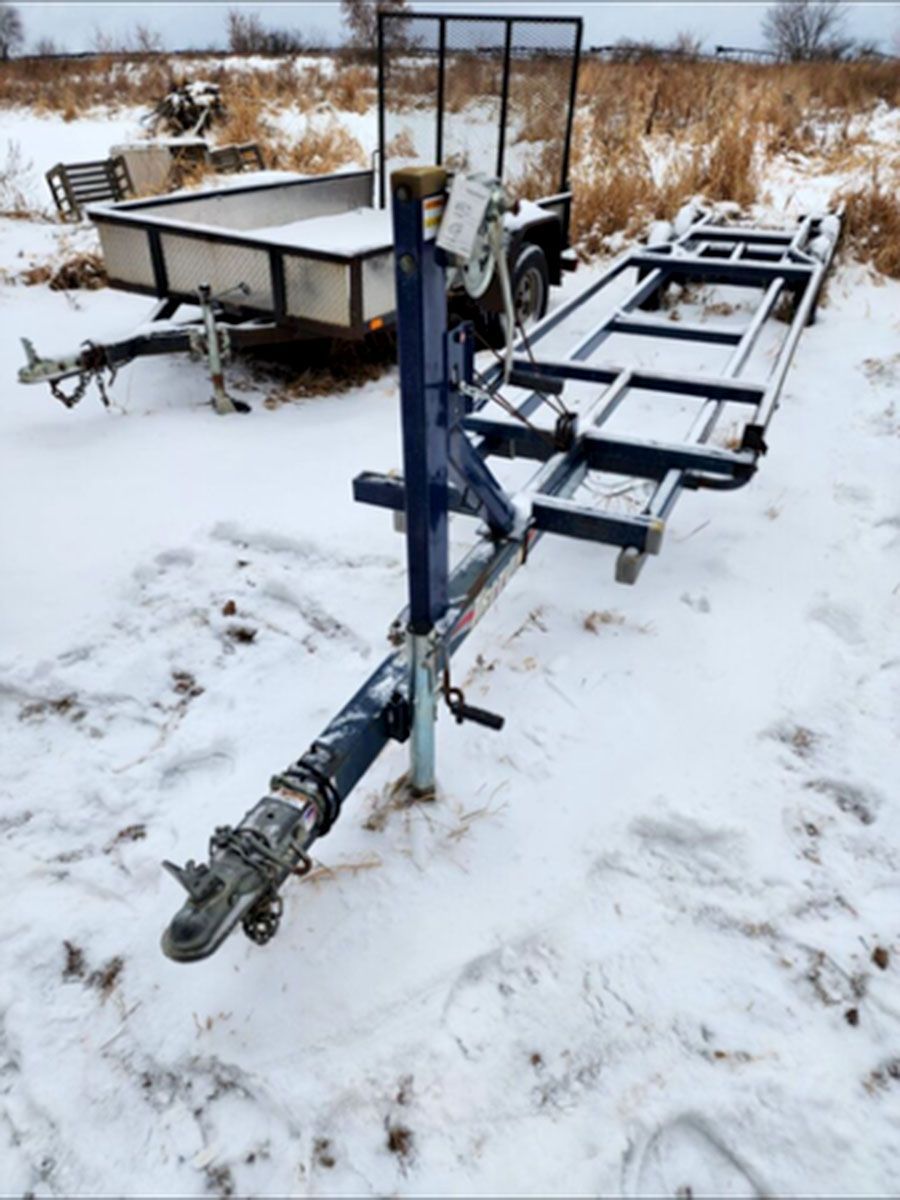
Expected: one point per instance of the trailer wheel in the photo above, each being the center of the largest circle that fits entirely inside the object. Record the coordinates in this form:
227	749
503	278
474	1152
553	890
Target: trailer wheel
530	280
530	285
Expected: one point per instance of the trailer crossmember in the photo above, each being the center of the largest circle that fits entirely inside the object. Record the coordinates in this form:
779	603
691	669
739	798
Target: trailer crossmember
450	437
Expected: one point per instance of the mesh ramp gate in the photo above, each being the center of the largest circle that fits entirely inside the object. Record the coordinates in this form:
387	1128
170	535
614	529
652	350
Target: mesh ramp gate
478	93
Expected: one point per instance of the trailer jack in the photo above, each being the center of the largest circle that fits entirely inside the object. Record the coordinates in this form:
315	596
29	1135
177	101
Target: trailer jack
448	437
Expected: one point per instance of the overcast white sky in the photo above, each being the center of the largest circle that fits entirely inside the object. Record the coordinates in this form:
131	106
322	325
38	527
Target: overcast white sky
202	23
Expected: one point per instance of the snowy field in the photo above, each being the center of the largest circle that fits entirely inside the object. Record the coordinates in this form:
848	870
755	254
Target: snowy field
646	942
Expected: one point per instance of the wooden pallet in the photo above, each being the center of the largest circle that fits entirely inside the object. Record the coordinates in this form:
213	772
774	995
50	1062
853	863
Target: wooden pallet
73	185
233	159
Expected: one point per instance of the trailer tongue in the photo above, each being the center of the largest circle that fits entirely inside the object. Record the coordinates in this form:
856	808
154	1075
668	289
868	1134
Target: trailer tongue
450	433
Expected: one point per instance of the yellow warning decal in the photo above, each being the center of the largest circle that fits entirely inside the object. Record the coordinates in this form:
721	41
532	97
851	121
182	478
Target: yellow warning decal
432	211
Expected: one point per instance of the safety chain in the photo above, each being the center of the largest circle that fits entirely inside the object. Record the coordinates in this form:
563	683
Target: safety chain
252	847
260	923
93	363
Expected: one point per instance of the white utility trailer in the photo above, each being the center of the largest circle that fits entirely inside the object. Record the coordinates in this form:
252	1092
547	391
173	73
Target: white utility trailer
275	256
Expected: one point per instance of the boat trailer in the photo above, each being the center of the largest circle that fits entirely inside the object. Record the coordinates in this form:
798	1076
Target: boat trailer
451	431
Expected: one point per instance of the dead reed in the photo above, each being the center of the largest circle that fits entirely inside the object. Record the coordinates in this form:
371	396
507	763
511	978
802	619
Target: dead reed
648	135
79	271
872	225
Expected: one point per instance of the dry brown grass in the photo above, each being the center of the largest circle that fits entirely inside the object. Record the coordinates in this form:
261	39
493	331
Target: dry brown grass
79	271
352	89
246	107
401	145
250	118
668	97
652	97
318	151
648	135
73	86
16	174
872	225
326	370
617	191
710	126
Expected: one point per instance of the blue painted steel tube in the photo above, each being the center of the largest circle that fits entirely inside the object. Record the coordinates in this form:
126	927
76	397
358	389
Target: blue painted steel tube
424	407
421	324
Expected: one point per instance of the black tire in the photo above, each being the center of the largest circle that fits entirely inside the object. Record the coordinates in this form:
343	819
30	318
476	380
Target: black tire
530	284
530	279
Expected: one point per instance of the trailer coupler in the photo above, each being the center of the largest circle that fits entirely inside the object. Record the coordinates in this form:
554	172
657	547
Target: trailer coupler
89	363
249	863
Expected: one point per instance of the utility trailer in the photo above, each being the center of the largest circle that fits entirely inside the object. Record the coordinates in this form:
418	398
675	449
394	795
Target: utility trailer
279	257
458	428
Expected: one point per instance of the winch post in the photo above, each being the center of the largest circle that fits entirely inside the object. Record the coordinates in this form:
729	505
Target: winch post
422	323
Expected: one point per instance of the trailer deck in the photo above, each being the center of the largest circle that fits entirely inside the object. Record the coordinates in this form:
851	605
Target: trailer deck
262	247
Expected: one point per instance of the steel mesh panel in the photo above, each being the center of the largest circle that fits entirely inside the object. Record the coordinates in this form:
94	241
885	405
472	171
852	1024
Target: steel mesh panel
126	253
192	261
541	66
489	94
317	290
473	89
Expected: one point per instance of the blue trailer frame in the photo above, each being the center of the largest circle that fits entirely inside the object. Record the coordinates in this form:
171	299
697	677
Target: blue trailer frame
448	442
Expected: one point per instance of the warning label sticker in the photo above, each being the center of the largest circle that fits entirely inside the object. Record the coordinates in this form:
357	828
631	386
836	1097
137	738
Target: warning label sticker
469	198
432	211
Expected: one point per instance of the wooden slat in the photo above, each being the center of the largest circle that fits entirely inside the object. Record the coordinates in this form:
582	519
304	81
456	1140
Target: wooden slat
86	197
94	163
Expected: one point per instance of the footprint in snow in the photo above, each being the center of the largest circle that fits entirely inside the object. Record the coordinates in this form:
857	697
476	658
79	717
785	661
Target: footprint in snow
852	493
842	622
697	603
887	532
689	849
862	803
178	557
688	1158
488	991
211	760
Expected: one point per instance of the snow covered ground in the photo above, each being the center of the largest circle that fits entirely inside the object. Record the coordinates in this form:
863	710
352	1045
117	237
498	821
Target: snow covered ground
647	940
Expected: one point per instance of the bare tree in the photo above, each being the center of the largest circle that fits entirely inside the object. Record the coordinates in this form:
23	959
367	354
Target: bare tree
632	50
285	41
147	40
248	35
246	32
46	47
361	19
11	33
800	30
105	43
687	44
